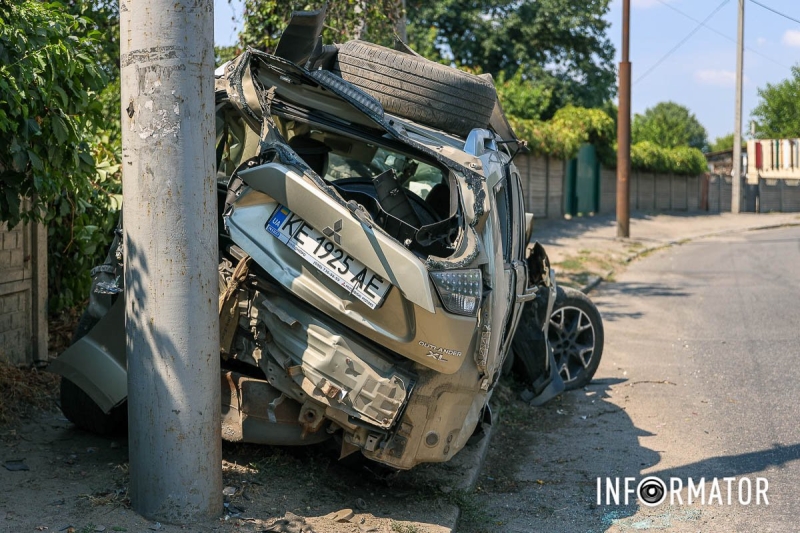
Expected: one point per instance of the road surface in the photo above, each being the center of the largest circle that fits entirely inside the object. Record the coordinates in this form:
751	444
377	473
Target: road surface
699	380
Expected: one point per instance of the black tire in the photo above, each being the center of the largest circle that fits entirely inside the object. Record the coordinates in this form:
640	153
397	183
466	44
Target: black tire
576	336
79	408
418	89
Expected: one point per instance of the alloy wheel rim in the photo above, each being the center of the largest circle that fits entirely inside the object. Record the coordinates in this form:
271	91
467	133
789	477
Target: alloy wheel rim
572	338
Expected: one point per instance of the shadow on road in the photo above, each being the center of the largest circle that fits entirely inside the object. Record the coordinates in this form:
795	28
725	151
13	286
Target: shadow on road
542	470
611	308
735	465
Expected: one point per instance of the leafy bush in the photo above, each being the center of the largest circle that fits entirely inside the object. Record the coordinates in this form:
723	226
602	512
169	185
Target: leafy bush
48	86
521	98
61	131
571	127
564	134
649	157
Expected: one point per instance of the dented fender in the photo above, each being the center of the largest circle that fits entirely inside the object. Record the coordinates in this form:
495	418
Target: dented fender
97	362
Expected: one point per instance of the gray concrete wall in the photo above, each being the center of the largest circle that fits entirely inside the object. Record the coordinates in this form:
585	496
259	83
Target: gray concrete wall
23	294
719	193
543	183
781	195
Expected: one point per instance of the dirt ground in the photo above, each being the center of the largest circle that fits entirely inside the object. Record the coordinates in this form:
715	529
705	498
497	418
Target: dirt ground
76	481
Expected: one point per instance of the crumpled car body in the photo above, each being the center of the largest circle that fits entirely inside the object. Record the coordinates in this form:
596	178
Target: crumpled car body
373	272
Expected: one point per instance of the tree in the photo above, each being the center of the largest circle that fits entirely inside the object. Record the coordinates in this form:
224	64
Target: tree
778	111
559	46
669	125
375	21
722	143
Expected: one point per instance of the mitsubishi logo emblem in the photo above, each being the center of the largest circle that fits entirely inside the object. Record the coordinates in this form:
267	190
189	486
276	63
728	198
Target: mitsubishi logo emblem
334	233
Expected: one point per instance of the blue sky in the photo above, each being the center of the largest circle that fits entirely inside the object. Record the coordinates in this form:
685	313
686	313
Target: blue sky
700	74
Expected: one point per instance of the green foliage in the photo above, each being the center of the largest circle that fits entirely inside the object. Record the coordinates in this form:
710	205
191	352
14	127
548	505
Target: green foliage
521	98
650	157
560	46
223	54
60	120
265	20
778	111
564	134
722	143
103	16
79	239
48	85
669	125
81	224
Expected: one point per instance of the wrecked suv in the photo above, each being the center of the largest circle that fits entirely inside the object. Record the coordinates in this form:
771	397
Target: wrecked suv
373	254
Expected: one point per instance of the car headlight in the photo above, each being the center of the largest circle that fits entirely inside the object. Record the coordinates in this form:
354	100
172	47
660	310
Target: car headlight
459	290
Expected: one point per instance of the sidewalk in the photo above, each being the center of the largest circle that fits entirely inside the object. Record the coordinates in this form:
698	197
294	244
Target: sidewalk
585	250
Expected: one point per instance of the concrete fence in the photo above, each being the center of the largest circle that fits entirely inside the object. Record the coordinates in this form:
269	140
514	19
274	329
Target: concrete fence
23	294
543	185
543	182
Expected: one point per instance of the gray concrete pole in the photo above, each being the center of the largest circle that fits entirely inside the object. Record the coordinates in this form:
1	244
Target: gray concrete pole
736	193
171	284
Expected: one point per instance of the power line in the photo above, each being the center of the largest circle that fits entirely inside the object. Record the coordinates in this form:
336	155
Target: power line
728	37
784	15
681	43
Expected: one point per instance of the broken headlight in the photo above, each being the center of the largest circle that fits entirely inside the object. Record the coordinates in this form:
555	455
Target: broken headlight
459	290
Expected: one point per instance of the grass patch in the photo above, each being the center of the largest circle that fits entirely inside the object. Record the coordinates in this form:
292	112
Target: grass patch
397	527
472	512
572	263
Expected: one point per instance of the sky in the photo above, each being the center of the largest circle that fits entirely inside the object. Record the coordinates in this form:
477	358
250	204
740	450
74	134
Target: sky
700	74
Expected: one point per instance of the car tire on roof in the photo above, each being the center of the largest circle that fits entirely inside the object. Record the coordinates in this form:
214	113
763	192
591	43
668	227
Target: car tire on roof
416	88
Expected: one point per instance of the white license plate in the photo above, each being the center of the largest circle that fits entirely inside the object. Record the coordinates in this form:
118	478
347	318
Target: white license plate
328	258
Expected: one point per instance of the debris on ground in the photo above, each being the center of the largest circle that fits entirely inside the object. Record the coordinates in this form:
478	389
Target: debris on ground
15	465
25	390
344	515
290	523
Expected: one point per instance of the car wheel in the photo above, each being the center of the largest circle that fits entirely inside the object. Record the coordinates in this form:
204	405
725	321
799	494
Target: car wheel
576	337
418	89
79	408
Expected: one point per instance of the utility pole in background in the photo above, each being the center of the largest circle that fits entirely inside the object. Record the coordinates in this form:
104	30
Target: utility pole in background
624	129
171	284
736	193
400	27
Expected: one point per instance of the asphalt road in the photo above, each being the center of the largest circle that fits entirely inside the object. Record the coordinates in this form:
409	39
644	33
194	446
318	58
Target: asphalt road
699	380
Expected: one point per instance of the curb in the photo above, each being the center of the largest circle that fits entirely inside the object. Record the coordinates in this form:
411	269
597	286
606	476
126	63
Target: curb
595	281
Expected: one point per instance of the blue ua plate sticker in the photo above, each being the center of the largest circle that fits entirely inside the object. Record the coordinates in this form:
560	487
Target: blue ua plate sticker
276	221
327	257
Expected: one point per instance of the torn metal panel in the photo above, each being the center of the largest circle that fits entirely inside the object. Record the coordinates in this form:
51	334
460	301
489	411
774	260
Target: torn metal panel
255	411
336	370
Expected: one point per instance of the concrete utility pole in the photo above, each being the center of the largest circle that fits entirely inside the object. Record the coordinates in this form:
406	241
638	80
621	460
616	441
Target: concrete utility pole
736	193
171	284
624	129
